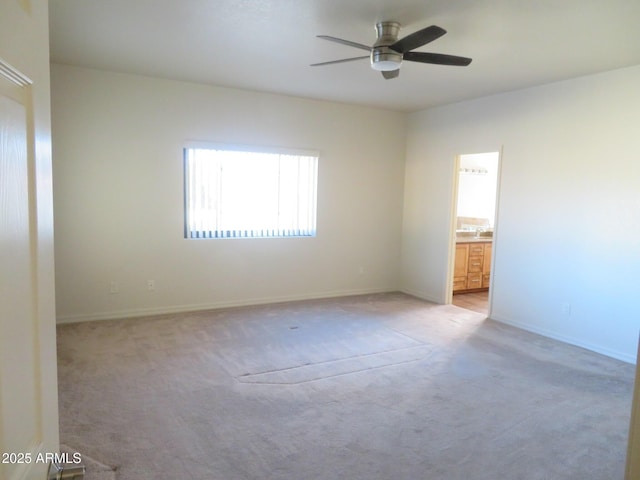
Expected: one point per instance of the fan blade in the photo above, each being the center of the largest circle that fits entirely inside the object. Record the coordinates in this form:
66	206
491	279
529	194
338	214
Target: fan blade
345	42
437	58
418	39
390	74
338	61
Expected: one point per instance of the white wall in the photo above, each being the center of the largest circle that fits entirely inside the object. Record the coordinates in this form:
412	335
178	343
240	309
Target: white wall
568	225
117	145
569	208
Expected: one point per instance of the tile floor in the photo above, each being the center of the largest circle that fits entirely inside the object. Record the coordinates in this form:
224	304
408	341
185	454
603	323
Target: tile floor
476	301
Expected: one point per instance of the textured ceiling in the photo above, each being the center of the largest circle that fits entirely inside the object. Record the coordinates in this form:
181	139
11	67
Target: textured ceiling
267	45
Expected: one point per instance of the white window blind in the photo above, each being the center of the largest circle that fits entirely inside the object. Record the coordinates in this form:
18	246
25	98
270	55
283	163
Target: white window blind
232	193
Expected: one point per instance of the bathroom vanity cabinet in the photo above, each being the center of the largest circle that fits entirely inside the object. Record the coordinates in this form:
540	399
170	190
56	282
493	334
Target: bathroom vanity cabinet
472	271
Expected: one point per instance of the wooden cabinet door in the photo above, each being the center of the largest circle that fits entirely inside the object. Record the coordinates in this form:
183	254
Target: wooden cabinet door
462	260
460	267
486	261
486	265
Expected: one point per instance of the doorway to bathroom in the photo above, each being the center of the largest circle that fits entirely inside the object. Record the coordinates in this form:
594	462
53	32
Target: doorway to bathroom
473	226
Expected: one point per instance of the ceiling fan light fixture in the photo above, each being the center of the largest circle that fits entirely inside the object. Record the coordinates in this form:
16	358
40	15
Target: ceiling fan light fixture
385	66
385	60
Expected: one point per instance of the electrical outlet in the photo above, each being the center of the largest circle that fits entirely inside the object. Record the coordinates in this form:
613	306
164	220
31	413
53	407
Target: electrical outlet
151	285
566	309
114	287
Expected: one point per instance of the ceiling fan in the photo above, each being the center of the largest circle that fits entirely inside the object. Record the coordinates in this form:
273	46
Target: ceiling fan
387	53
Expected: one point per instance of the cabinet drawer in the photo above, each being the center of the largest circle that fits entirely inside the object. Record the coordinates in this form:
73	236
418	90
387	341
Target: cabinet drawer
459	283
485	280
475	264
474	280
476	249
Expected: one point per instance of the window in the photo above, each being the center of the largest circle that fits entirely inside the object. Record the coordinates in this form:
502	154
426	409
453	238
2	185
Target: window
243	193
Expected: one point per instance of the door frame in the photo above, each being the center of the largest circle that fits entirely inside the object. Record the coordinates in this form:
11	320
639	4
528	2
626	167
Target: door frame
28	368
453	207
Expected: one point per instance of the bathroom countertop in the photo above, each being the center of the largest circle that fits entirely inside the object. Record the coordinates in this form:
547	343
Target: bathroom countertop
473	239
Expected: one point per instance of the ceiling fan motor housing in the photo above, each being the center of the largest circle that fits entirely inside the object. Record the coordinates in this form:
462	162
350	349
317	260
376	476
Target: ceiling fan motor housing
383	58
388	53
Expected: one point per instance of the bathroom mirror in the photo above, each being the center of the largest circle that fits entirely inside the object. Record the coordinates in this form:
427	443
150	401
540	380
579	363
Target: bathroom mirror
477	186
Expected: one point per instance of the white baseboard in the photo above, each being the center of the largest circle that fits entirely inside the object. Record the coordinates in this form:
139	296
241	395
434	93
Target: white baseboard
143	312
566	339
421	295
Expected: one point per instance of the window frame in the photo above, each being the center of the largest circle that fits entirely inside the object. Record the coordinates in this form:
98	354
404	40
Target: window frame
270	150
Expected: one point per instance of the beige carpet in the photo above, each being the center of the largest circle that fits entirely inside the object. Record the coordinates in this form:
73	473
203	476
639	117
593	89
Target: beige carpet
94	470
371	387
